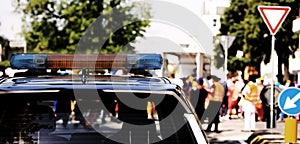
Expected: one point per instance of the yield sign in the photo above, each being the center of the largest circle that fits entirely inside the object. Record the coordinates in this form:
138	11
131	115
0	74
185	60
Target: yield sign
274	16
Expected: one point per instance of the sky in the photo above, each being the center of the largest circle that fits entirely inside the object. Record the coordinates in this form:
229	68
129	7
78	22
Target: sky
10	22
10	26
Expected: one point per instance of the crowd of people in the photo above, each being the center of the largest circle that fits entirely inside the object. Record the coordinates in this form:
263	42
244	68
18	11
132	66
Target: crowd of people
215	100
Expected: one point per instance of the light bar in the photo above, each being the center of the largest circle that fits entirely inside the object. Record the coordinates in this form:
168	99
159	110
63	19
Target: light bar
90	61
106	61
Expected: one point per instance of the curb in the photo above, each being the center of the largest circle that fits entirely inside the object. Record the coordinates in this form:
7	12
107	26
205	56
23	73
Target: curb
260	137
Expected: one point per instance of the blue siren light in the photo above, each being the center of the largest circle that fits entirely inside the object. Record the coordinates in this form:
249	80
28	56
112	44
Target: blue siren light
144	61
93	61
28	61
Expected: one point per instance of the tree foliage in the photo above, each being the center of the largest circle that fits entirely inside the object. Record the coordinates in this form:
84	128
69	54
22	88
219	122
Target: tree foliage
58	26
242	19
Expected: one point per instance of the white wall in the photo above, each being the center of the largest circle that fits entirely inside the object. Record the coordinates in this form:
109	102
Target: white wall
167	37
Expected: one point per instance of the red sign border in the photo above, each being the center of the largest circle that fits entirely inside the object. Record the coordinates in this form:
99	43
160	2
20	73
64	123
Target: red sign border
285	8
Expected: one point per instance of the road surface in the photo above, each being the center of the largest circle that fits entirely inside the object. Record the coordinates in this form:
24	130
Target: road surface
231	131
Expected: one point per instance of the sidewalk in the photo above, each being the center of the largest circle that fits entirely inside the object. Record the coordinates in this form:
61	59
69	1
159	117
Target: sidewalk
230	132
268	136
275	135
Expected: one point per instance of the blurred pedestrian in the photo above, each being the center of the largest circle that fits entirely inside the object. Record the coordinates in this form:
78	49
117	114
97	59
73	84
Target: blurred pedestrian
240	85
200	95
187	86
79	116
63	109
258	105
215	101
174	79
250	93
265	97
224	107
233	94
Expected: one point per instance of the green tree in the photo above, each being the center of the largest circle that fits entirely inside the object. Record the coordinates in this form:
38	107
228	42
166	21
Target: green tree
58	26
242	19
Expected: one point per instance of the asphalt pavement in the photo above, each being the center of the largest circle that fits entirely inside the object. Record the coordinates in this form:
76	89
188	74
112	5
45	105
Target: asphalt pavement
230	131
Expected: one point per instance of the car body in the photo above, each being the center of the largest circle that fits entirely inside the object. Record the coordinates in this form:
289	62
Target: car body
99	109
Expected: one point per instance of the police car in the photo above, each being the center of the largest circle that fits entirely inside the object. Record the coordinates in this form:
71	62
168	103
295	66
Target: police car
91	104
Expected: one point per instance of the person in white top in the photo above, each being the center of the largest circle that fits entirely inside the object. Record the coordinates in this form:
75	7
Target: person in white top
248	106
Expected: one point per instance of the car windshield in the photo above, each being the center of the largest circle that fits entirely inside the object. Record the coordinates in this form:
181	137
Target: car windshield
95	116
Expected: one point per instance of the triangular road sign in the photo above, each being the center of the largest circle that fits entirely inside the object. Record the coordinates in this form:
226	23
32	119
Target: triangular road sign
274	16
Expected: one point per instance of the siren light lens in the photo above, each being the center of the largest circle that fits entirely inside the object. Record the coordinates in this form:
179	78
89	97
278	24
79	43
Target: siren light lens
28	61
92	61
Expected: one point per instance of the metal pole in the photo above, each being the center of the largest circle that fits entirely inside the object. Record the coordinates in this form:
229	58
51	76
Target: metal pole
0	52
272	81
226	55
25	47
199	63
299	49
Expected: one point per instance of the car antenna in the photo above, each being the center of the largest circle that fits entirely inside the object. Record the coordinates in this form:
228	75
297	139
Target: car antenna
84	76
